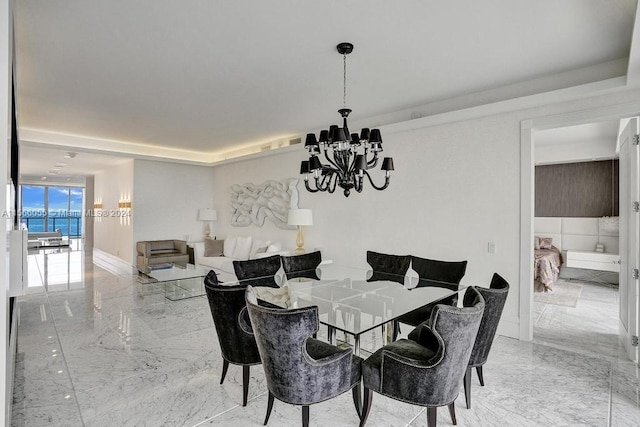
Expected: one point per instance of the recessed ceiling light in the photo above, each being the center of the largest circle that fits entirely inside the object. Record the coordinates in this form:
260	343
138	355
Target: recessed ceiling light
60	165
54	172
70	155
43	178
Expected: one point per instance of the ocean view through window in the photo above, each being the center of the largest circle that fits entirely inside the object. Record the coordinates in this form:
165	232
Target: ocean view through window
51	208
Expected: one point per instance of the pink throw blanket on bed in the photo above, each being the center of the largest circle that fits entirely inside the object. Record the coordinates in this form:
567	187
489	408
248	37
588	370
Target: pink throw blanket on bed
547	267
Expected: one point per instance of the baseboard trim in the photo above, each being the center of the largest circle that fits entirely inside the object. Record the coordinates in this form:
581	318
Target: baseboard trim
112	263
509	328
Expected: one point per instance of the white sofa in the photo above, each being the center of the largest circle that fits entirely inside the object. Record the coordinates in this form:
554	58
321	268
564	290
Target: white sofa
235	249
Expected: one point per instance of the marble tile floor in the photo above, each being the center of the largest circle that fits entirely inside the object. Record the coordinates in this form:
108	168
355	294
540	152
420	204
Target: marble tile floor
104	350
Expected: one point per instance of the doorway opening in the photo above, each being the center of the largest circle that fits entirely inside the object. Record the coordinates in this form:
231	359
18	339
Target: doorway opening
628	322
576	241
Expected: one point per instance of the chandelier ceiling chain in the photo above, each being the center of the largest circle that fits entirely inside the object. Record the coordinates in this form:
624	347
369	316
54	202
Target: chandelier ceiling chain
349	155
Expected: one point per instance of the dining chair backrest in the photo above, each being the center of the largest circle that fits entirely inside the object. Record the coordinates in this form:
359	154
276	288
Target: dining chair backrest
388	267
232	325
304	265
444	272
495	297
261	271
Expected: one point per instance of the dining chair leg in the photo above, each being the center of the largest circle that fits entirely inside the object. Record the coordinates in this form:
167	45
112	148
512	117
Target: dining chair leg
225	367
452	412
245	384
305	416
480	377
432	415
368	397
396	329
269	408
467	387
357	399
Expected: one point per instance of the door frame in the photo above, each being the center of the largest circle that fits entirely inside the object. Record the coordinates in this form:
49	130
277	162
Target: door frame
527	191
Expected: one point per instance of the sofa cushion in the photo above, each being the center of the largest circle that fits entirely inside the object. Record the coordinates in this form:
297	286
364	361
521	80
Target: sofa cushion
159	245
218	263
242	249
213	247
258	247
274	247
155	252
229	246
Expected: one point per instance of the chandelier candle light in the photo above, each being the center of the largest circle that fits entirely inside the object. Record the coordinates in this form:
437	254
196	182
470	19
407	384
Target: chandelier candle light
351	154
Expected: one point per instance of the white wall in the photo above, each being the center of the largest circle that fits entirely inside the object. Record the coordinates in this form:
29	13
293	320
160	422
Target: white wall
456	187
112	233
571	153
166	199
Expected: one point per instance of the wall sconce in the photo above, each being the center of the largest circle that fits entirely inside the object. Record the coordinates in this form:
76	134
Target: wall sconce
97	205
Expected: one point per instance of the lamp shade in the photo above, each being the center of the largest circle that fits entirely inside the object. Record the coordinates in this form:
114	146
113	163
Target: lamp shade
361	162
207	215
300	217
304	166
387	164
314	163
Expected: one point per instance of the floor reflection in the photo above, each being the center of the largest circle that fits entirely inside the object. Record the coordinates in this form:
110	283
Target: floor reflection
56	269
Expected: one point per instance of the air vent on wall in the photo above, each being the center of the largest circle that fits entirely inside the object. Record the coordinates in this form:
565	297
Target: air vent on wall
295	141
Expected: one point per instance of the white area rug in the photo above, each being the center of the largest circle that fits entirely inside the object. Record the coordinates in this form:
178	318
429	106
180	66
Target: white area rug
563	293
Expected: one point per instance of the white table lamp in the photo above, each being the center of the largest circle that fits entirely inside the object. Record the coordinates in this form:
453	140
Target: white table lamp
207	215
299	218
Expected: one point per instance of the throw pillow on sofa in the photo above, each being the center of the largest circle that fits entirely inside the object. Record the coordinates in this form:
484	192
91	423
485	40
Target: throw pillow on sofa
229	246
258	247
213	247
242	248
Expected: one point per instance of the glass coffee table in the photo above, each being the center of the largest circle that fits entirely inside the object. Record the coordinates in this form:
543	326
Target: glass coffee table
180	281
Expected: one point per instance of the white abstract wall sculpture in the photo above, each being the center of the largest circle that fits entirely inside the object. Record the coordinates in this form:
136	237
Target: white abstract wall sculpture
251	203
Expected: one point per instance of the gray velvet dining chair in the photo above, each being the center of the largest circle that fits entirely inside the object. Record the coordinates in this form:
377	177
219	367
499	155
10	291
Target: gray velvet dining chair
303	265
428	371
495	297
258	272
299	369
232	325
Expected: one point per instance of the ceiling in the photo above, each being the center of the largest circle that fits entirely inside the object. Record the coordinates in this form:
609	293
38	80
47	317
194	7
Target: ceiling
201	78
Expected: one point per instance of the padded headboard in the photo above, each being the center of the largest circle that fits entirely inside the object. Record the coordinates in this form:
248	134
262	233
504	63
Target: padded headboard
581	234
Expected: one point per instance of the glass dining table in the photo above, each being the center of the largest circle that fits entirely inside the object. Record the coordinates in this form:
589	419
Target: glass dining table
354	300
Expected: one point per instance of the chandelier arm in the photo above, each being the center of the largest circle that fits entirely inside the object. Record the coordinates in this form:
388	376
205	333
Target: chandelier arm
334	180
359	185
326	156
374	161
326	180
309	188
386	182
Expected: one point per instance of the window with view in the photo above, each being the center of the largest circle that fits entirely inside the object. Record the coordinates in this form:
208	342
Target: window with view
51	208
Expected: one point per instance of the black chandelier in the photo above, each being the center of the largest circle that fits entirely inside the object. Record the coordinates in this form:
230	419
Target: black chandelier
351	156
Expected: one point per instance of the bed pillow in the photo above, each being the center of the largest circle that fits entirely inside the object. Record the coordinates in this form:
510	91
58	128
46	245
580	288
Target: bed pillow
536	243
213	247
545	242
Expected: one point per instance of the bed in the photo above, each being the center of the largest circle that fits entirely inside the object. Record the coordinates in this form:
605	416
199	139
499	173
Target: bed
568	234
546	267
